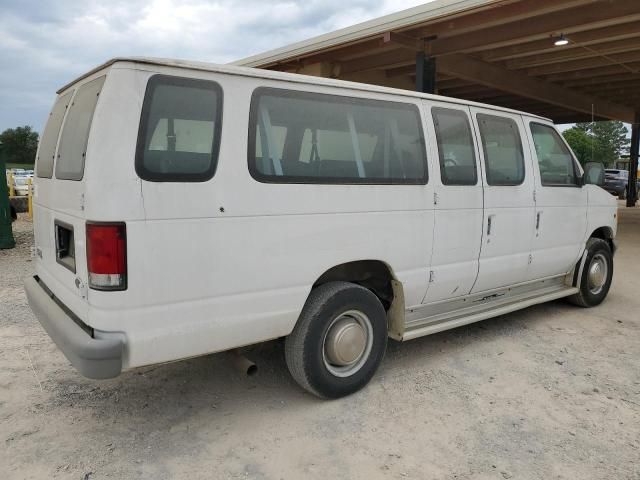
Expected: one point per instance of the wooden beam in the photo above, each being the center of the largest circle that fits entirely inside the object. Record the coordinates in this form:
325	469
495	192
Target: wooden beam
493	15
403	41
578	39
601	80
571	54
591	73
630	86
597	14
400	71
366	47
384	60
585	64
477	71
452	83
626	98
463	90
378	77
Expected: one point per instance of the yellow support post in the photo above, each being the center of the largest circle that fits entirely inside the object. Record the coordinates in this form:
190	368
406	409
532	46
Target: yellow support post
30	198
12	192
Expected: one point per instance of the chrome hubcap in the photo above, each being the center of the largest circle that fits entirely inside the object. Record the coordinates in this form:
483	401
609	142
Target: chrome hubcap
598	272
347	343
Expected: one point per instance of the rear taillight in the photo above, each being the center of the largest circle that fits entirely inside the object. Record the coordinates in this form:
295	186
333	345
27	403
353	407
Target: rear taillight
107	256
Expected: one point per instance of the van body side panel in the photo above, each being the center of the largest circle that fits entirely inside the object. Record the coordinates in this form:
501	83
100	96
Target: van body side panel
601	212
230	261
113	190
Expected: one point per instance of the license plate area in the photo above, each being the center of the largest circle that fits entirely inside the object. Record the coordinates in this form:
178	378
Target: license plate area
65	246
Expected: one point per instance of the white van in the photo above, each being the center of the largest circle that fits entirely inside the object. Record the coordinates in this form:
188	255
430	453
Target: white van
187	208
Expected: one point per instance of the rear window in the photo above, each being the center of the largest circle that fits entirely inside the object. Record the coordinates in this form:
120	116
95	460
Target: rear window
75	132
179	134
47	151
300	137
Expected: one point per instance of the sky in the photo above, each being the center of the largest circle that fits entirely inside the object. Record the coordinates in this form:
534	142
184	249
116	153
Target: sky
45	44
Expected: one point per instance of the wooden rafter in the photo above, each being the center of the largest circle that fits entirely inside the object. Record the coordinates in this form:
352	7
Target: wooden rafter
382	61
561	55
621	59
508	11
471	69
584	38
598	14
601	80
591	73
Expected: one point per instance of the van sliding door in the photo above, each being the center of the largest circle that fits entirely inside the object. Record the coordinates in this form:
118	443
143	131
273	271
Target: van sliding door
457	202
509	217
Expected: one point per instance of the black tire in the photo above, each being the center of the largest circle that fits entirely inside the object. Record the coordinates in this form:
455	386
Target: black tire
587	297
305	350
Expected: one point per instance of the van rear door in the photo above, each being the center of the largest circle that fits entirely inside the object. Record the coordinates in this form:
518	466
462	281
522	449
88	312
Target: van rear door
59	218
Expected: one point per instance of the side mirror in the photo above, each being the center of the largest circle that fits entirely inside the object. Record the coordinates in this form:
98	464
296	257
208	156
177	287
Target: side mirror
593	174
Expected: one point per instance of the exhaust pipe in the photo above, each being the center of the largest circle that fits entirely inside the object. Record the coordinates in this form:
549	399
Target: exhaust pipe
243	364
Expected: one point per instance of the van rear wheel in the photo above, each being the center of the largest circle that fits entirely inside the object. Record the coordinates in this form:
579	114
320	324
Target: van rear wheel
596	275
339	340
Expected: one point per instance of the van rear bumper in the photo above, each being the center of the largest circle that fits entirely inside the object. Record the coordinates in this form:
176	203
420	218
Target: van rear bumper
96	358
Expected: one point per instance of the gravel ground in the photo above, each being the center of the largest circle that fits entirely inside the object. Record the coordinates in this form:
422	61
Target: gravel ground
549	392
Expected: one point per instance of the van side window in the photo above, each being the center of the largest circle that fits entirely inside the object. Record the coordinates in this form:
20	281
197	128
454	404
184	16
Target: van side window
179	135
455	147
75	132
556	164
300	137
503	156
47	152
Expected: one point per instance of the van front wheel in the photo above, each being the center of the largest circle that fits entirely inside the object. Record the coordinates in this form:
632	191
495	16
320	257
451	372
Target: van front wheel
339	340
596	275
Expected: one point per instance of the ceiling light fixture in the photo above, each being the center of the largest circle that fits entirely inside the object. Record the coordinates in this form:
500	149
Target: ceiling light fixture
561	41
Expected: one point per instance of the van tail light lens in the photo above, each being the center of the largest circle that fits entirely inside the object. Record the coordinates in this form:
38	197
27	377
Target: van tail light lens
107	256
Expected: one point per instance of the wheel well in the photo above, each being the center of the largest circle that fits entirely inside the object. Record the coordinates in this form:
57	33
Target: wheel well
372	274
604	233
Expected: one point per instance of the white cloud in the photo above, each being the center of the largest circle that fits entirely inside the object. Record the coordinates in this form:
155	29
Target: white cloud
45	44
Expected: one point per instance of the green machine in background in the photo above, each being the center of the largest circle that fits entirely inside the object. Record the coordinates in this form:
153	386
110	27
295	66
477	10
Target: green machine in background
6	233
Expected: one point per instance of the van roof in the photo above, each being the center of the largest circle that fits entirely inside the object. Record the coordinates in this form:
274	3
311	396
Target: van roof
284	76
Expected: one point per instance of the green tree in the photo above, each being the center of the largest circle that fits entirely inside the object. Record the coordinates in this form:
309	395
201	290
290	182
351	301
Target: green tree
580	142
601	142
19	145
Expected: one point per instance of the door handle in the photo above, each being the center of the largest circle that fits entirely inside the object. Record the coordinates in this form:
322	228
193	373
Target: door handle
489	224
538	220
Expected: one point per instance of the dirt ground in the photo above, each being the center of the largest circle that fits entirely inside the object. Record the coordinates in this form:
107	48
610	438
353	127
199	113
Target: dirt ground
551	392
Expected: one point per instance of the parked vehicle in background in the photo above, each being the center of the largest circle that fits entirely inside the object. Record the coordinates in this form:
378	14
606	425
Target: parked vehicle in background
616	182
329	213
21	186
